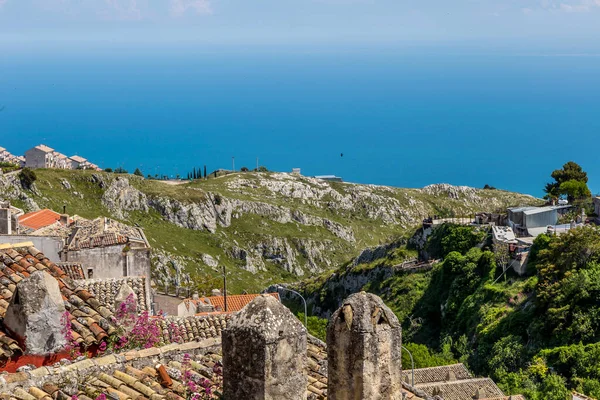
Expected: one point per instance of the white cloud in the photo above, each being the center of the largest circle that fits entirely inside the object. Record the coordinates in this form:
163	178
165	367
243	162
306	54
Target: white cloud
123	9
2	2
580	7
181	7
574	8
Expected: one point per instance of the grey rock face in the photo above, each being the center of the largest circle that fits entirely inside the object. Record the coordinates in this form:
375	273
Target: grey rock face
120	197
35	314
364	360
264	353
200	216
252	261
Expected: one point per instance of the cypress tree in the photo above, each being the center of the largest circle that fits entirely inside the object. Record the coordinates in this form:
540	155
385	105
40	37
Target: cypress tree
195	173
205	172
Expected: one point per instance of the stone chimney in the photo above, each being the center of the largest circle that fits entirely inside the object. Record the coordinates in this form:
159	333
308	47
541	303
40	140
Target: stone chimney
5	219
64	219
364	340
195	296
264	353
215	293
35	314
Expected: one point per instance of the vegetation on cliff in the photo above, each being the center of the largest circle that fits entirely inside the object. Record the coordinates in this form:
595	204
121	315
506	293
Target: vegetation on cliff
536	335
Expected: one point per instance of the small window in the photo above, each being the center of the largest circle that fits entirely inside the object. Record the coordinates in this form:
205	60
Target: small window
90	273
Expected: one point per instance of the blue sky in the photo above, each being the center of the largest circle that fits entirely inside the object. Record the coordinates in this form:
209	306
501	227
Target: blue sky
243	22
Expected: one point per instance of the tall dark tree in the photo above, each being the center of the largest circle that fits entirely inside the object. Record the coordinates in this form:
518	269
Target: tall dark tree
571	171
205	172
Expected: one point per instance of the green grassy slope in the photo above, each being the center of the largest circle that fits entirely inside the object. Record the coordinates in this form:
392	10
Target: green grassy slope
375	215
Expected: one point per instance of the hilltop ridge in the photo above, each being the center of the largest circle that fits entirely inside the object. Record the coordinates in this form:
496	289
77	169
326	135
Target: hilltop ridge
264	227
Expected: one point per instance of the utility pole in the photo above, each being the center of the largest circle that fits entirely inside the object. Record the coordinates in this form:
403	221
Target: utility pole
225	287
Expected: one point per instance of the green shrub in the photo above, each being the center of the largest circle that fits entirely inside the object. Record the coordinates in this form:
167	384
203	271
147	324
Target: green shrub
27	177
316	326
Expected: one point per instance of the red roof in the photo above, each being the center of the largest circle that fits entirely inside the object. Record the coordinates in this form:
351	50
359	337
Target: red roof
234	302
39	219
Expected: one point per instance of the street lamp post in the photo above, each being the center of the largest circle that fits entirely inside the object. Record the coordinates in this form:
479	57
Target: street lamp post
303	299
413	365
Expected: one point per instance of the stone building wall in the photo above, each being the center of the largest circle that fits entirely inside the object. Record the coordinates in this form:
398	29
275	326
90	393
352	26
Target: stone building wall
113	262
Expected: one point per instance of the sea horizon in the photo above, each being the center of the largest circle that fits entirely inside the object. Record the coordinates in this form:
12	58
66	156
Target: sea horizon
401	116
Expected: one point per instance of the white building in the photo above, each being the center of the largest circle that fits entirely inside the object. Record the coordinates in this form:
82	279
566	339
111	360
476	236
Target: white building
77	162
40	156
6	156
43	156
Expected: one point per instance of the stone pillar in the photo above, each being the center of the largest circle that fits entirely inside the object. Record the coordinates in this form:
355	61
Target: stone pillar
364	340
5	220
264	353
35	314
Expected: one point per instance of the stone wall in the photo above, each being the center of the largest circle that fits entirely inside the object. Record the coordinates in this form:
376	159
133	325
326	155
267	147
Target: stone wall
113	262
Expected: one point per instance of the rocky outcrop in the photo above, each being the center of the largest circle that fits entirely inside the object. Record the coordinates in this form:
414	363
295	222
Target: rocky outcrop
120	198
12	189
200	216
252	261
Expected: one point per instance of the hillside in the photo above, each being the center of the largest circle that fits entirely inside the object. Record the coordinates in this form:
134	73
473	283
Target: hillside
264	227
537	335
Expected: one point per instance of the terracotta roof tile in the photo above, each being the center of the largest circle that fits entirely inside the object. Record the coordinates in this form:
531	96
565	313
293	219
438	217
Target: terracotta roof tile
141	377
105	290
80	303
437	374
464	389
73	270
39	219
103	232
234	302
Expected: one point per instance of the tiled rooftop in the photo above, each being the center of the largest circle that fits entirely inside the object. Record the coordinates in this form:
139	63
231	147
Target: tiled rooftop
234	302
78	159
55	229
106	290
73	270
90	320
464	389
39	219
437	374
137	374
44	148
197	327
103	232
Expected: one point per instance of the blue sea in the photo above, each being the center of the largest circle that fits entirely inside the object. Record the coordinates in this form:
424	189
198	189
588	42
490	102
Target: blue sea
405	116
